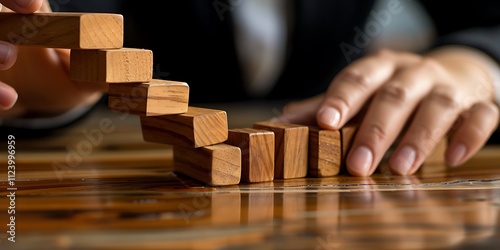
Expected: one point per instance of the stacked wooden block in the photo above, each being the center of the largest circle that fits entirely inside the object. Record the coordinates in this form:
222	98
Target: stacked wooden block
204	147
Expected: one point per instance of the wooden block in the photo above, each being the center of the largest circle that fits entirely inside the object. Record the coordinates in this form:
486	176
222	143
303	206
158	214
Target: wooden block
347	134
437	155
215	165
324	152
291	148
197	127
112	65
158	97
435	163
257	153
70	30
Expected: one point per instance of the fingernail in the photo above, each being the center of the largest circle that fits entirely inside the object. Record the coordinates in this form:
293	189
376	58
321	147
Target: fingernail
360	160
5	53
23	3
8	97
457	153
404	160
330	116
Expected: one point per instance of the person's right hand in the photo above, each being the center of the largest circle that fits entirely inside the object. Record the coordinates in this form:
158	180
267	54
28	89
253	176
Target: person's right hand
35	81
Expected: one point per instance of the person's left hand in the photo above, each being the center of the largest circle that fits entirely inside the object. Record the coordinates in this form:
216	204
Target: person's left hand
420	98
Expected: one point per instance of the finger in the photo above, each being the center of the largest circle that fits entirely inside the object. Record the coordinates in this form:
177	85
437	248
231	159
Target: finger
8	55
391	106
477	125
301	112
23	6
8	96
354	85
432	121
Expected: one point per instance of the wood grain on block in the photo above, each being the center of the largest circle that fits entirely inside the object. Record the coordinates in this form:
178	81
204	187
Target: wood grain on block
197	127
435	162
70	30
437	155
257	153
154	98
214	165
112	65
291	148
324	152
347	134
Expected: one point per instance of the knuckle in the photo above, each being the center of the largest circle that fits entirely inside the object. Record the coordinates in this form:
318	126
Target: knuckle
445	98
393	93
425	133
339	101
490	109
377	132
477	132
425	138
428	64
356	78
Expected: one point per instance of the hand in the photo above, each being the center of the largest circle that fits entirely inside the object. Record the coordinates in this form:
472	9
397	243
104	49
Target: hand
8	53
420	99
39	76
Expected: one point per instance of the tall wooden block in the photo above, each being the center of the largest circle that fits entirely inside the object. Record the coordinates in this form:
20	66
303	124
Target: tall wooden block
324	152
291	148
436	160
257	153
197	127
158	97
347	133
437	155
112	65
69	30
215	165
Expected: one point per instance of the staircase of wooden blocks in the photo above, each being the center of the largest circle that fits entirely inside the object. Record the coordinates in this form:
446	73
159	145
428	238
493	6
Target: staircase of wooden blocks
204	148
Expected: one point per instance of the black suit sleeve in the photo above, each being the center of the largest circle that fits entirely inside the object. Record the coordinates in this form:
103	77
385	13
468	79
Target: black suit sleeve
470	23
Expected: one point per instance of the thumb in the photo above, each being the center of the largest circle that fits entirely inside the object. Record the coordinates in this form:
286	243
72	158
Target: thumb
302	111
8	96
23	6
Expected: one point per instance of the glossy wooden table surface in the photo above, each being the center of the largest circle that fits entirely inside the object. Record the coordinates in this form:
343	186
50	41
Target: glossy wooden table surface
120	193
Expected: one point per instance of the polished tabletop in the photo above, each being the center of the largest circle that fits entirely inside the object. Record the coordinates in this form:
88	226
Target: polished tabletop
102	187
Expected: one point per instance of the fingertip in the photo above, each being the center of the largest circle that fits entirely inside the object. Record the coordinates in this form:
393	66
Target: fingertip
8	55
328	117
359	161
401	163
24	6
455	154
8	97
28	6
